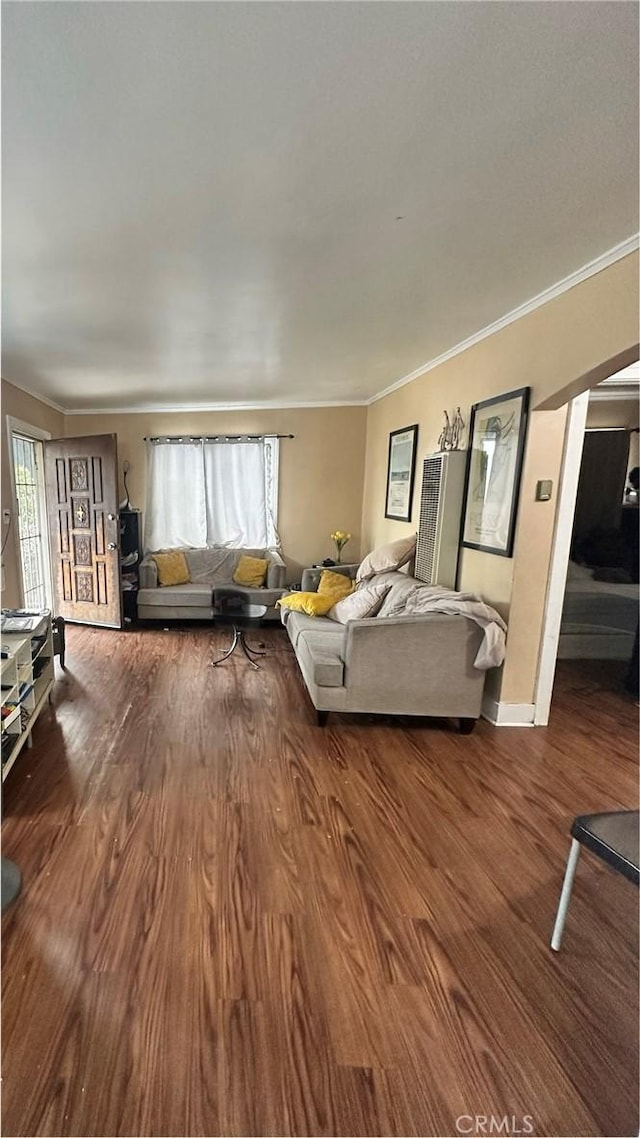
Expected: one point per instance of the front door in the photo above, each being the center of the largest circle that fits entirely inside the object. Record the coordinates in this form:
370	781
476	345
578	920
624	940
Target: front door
82	510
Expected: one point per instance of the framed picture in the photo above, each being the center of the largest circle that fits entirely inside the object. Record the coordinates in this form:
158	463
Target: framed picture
401	471
494	467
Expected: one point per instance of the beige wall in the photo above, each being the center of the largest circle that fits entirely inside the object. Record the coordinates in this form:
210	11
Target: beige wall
37	414
559	350
612	413
321	469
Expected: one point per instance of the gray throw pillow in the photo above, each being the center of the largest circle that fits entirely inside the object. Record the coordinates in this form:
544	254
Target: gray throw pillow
396	599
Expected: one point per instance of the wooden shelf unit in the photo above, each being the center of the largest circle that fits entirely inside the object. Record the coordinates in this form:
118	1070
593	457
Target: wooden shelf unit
27	680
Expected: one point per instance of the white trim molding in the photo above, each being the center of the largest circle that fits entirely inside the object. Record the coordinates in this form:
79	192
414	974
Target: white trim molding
30	432
557	579
507	714
615	392
178	408
26	429
630	245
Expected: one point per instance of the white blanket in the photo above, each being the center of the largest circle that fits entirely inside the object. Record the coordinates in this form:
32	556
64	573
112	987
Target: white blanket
435	598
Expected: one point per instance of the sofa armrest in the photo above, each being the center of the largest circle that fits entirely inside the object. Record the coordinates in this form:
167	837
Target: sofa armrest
311	577
416	665
148	574
276	571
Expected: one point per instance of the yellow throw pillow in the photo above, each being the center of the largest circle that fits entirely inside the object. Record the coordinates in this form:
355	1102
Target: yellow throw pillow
335	585
251	571
172	568
314	604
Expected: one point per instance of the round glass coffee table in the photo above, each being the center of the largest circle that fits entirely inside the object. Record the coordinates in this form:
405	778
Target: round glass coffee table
239	615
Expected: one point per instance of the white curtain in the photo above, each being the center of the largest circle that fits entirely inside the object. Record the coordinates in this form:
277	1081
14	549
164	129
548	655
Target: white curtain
212	493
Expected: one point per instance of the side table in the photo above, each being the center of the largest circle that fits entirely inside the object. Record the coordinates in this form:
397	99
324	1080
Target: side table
235	612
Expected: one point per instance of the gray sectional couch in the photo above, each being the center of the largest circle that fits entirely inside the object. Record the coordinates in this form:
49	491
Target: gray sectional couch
211	571
398	665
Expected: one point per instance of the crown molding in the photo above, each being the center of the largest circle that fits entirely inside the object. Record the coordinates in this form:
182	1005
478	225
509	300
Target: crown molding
36	395
179	408
615	392
630	245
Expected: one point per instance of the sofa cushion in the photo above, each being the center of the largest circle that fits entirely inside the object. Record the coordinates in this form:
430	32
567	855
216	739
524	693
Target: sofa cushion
314	604
172	568
320	659
251	571
385	557
186	596
363	603
298	622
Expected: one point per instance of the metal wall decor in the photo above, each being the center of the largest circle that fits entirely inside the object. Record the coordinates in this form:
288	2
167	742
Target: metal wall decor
451	433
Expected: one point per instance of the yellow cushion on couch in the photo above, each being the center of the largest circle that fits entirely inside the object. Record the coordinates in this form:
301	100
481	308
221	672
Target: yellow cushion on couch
251	571
172	568
336	585
314	604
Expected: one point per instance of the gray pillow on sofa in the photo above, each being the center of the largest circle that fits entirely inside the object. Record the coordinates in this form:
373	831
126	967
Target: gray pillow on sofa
396	599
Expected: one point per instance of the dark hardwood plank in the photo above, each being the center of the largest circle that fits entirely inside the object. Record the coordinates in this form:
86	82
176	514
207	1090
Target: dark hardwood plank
234	922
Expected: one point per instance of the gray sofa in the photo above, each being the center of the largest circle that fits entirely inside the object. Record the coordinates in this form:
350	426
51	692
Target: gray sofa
402	665
211	571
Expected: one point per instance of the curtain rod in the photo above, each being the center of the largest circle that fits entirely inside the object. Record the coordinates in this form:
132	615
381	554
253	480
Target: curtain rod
211	438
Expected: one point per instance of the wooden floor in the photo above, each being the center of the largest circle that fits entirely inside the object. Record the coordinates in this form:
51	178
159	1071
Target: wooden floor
235	922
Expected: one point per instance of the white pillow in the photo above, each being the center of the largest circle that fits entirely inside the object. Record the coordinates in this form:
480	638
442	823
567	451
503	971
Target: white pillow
363	603
386	557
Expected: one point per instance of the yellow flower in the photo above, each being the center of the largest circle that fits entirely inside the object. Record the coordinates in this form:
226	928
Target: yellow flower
340	538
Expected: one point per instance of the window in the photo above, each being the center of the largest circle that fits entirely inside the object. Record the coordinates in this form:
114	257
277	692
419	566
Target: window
212	492
27	464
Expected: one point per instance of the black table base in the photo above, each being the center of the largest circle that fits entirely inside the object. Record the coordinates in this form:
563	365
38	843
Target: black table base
239	614
239	640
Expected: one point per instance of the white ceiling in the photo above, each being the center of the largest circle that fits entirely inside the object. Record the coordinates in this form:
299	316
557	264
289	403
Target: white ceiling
209	203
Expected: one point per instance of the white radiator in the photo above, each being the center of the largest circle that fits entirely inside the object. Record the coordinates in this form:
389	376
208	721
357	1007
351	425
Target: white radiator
440	515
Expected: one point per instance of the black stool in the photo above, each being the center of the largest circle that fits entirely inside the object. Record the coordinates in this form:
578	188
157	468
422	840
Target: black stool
614	838
59	641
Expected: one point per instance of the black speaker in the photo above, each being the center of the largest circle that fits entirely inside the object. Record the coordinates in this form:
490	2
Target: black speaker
130	535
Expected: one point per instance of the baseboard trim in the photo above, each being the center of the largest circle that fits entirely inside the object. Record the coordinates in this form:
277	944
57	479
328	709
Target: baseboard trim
508	714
